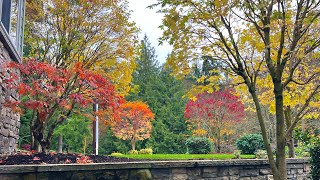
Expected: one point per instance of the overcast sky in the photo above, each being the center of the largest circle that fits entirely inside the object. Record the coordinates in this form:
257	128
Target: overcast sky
149	21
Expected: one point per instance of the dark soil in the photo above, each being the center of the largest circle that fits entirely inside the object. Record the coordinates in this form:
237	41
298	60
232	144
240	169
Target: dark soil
40	158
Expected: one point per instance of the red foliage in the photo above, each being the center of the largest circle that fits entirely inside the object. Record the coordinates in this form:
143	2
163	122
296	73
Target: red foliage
45	87
54	93
214	114
218	106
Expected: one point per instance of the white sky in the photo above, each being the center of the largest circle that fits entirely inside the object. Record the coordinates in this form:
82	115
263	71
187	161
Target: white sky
148	21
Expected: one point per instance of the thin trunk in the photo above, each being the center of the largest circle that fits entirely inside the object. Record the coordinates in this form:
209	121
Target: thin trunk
60	144
290	140
290	144
219	140
264	133
133	144
38	147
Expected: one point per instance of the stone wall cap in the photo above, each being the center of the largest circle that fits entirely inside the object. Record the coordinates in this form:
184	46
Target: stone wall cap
7	169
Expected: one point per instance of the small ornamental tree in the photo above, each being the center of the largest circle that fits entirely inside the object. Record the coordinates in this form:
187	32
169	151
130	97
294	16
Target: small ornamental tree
135	123
53	94
214	113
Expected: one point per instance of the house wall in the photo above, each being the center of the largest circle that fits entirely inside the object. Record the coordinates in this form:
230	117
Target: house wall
9	120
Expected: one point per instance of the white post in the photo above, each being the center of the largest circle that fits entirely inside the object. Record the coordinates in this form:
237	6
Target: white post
97	130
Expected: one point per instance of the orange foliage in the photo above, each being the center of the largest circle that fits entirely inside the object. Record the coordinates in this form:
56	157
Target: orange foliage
135	123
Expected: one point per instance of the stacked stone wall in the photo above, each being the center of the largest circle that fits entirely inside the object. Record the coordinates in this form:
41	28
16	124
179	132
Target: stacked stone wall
298	169
9	120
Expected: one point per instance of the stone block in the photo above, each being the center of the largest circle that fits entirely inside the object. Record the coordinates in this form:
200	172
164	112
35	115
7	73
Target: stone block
179	171
194	172
258	178
234	178
223	171
209	172
105	175
222	178
10	177
179	176
161	173
245	178
302	177
293	171
265	171
122	174
300	171
141	174
234	171
295	166
4	132
249	172
269	177
31	176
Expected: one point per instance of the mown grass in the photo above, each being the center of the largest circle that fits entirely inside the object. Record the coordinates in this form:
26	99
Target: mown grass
184	156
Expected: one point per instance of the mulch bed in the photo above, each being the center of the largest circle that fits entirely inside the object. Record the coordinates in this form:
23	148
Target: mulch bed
53	158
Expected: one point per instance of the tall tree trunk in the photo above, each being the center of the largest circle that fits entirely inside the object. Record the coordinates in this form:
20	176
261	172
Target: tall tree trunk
280	133
60	144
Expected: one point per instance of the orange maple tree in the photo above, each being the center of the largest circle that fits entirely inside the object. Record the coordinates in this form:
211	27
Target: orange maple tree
53	94
135	123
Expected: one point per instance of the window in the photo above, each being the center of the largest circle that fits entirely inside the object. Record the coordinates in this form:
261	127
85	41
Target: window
12	26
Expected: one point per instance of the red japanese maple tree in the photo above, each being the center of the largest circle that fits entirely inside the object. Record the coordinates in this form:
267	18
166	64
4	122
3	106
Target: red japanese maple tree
53	94
135	123
214	112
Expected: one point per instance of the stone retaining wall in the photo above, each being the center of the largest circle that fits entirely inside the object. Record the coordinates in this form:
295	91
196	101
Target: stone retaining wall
9	121
298	169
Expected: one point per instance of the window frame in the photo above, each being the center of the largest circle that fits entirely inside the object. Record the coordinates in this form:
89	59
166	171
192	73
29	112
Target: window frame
15	49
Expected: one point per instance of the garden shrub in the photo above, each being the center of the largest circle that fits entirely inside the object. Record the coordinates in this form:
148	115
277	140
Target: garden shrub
116	154
237	153
315	162
302	150
133	152
146	151
261	154
199	145
249	143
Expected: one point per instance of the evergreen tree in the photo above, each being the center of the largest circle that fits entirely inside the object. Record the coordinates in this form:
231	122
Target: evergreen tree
163	94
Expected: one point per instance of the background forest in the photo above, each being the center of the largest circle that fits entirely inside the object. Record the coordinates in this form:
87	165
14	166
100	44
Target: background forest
199	101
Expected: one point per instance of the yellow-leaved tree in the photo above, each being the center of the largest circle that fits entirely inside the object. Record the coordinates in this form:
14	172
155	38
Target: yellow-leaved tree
269	47
96	33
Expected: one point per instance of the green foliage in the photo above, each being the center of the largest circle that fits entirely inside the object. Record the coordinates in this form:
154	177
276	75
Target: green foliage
199	145
184	156
133	152
146	151
163	93
24	130
315	162
301	149
75	132
108	144
249	143
261	154
307	134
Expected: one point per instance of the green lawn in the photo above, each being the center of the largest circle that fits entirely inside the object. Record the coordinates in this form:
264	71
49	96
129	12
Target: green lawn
185	156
